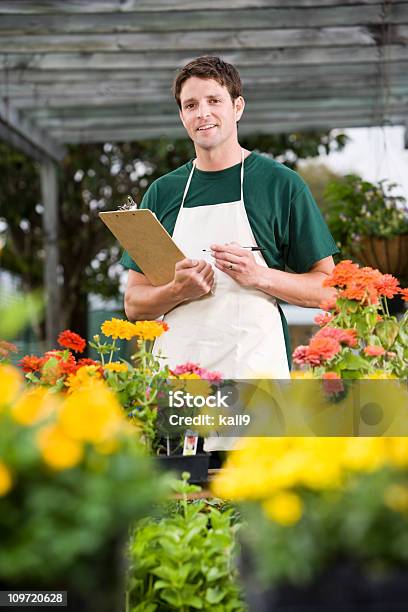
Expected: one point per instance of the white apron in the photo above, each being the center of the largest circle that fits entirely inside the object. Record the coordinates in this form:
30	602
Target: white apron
235	330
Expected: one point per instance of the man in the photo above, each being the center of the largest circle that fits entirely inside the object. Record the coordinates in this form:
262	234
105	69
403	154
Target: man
221	305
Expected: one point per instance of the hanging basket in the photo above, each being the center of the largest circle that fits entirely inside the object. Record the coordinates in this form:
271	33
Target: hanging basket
390	256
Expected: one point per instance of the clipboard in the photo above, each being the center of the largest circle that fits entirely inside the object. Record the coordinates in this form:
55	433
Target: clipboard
146	241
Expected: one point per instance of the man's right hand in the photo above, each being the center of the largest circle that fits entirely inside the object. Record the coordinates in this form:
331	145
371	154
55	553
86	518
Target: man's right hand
192	279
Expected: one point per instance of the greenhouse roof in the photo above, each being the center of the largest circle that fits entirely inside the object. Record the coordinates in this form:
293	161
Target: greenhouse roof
101	70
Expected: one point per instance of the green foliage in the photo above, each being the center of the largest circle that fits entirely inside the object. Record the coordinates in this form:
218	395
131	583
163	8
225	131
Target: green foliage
184	561
365	521
53	524
359	208
16	315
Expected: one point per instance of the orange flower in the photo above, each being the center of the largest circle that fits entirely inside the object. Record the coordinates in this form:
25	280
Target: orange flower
71	340
374	351
387	285
31	363
404	293
322	349
341	274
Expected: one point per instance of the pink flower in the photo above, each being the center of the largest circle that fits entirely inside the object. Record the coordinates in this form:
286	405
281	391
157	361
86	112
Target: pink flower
344	336
323	319
374	351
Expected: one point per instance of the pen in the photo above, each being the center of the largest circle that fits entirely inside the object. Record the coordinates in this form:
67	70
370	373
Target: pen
251	248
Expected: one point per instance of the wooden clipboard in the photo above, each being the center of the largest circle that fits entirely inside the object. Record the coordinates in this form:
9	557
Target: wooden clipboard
146	241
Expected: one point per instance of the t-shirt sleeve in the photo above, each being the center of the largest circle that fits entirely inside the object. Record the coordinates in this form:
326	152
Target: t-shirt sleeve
148	201
308	238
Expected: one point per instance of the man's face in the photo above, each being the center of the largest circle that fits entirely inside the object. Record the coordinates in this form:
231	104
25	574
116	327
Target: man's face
208	113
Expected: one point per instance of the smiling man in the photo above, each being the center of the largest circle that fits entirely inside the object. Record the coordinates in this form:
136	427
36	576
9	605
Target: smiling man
221	305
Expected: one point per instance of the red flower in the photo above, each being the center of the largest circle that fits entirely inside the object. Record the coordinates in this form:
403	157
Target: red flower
31	363
85	361
344	336
71	340
164	325
323	319
322	349
332	383
374	351
387	285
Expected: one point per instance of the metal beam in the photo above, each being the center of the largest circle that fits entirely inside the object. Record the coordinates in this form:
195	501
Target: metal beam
28	7
198	19
49	192
25	131
197	40
122	59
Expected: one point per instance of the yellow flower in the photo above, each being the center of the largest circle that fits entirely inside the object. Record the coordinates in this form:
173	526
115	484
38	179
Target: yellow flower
92	414
396	498
397	451
119	328
149	330
10	383
58	450
300	375
83	377
116	366
379	375
364	454
285	508
33	406
5	479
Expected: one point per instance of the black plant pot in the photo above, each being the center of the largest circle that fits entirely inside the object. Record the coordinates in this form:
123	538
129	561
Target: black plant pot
196	465
343	587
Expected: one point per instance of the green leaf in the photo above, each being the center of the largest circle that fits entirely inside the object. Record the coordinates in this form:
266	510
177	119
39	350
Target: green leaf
387	331
350	361
214	596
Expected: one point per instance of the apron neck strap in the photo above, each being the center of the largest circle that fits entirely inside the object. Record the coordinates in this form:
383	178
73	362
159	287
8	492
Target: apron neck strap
191	176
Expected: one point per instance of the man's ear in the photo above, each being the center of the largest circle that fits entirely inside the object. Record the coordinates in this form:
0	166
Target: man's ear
239	104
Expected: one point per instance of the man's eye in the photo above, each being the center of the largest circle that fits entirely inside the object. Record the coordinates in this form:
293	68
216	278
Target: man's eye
214	100
189	106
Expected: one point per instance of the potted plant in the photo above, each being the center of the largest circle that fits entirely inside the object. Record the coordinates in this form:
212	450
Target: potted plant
139	384
327	516
370	223
72	478
358	337
325	522
185	560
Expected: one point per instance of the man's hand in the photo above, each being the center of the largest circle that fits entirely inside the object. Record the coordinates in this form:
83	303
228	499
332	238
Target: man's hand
237	262
192	279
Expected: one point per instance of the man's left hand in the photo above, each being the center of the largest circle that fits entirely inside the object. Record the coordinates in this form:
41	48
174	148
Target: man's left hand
237	262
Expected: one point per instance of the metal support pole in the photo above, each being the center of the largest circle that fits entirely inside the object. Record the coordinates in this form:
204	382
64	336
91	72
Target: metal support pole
49	193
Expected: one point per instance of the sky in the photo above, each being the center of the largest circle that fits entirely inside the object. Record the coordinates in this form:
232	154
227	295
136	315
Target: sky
373	153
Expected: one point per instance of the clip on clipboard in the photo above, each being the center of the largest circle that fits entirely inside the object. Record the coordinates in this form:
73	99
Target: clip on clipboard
146	241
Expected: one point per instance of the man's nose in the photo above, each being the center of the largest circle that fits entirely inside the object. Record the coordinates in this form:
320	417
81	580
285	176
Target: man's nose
203	109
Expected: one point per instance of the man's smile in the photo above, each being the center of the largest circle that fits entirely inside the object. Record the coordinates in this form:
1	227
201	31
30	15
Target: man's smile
208	126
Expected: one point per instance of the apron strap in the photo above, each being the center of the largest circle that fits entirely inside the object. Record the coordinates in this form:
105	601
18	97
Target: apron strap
187	185
242	175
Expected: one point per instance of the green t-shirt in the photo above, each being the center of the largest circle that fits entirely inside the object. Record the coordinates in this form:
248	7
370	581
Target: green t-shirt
282	212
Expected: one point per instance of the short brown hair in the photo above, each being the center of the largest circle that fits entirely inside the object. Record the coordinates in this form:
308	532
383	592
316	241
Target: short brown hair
209	67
